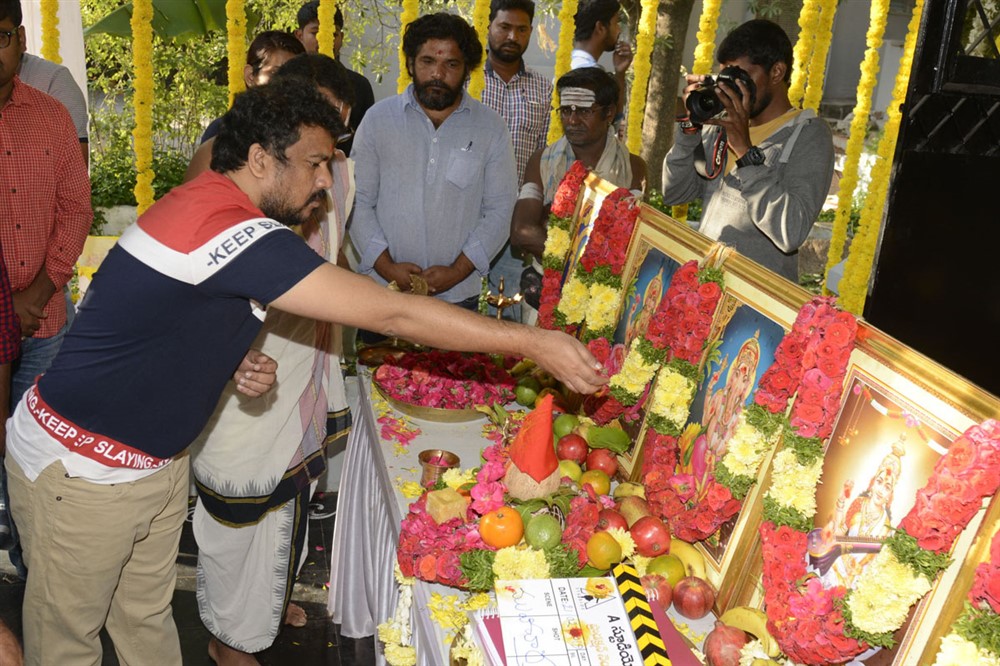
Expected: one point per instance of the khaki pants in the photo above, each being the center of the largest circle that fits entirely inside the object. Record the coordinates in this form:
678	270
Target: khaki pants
99	554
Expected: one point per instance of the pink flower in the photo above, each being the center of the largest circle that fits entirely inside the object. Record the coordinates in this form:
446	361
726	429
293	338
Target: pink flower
684	485
487	496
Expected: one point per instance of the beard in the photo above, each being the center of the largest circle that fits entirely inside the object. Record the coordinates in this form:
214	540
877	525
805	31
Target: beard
762	102
274	206
507	51
436	95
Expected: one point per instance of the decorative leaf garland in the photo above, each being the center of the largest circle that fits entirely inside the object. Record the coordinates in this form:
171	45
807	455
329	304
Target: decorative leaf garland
142	101
236	45
564	56
50	30
641	66
481	22
325	12
859	129
411	10
854	285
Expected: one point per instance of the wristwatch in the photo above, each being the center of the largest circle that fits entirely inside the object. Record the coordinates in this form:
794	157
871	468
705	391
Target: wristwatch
754	156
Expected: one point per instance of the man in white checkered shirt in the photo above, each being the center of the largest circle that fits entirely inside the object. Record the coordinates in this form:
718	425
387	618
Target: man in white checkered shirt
523	98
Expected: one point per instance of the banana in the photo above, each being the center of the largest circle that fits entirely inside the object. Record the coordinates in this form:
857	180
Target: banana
753	621
694	561
627	489
522	367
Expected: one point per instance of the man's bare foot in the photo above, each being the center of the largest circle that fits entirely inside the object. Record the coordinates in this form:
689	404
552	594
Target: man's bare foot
223	655
295	615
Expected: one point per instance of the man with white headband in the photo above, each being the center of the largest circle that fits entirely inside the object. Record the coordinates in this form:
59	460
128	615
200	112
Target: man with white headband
588	98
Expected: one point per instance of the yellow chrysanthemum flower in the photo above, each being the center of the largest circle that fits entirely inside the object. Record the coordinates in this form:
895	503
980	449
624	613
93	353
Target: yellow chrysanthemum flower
513	563
624	540
635	373
477	601
602	310
958	651
746	449
409	489
672	396
557	243
884	592
573	304
400	655
455	478
793	485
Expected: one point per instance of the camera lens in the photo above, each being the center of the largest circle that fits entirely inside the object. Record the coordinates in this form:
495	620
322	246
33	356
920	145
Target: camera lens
703	104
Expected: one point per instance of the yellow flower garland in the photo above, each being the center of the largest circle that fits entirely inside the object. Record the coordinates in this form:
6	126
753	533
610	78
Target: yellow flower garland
817	64
564	56
635	373
236	46
557	243
602	307
574	301
857	270
324	38
142	100
672	395
883	593
411	9
808	21
859	129
641	66
481	22
958	651
50	30
708	25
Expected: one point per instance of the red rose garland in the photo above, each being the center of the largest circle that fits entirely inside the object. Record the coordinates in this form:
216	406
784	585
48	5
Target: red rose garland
560	217
985	592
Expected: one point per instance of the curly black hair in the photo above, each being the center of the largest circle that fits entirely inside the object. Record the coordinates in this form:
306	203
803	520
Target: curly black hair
526	6
11	9
272	116
322	70
443	25
761	41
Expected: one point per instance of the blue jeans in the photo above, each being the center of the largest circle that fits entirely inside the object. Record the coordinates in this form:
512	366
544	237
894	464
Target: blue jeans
36	357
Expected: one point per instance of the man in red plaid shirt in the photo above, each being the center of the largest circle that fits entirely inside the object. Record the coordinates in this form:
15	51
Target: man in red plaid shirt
10	346
45	199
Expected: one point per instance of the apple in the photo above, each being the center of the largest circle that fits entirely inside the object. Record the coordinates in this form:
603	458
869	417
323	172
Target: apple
572	447
651	536
603	460
608	518
633	508
657	589
693	597
669	566
570	469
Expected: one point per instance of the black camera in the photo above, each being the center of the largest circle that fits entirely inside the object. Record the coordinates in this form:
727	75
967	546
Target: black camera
703	102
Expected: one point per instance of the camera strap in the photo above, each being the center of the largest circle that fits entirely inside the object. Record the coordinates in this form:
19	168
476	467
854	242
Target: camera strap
710	167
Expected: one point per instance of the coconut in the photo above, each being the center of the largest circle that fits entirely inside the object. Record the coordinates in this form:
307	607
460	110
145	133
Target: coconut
521	485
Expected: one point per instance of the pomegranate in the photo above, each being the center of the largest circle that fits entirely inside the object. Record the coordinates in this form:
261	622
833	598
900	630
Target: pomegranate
693	597
723	645
572	447
651	536
603	460
608	518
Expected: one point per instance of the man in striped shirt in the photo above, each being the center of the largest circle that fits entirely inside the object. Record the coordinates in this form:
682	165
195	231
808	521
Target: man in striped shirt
523	98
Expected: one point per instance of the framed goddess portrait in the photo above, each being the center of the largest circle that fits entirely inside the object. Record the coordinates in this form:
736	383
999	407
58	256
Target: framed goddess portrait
757	309
899	414
660	245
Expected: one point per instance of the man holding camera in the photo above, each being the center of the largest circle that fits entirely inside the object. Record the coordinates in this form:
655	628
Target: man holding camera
762	168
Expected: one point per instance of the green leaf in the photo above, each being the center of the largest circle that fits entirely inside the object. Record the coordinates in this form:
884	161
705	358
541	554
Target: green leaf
783	515
739	484
763	420
923	562
477	567
563	561
981	626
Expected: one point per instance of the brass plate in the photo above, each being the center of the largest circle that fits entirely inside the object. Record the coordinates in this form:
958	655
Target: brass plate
375	355
433	414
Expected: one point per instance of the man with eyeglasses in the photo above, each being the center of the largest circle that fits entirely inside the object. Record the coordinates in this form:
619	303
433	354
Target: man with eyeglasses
588	98
45	204
308	20
436	181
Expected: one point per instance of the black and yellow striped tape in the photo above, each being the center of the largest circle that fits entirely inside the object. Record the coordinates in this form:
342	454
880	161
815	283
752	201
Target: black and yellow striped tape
647	634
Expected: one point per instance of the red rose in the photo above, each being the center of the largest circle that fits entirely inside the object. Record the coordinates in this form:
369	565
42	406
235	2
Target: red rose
960	454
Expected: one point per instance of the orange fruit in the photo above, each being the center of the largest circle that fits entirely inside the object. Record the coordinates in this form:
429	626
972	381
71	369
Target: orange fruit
603	551
598	480
501	527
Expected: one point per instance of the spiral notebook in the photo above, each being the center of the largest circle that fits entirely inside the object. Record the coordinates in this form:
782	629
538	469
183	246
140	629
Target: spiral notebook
489	636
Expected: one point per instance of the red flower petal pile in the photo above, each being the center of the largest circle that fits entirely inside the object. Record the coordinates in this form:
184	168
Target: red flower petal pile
446	380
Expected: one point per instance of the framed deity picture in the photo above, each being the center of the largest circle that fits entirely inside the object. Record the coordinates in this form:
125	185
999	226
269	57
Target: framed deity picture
899	414
659	246
757	308
588	205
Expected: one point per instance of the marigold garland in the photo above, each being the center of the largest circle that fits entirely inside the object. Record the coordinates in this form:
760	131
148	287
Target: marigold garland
50	30
708	25
857	270
411	9
817	64
564	56
481	22
142	100
324	38
236	45
859	130
641	67
808	22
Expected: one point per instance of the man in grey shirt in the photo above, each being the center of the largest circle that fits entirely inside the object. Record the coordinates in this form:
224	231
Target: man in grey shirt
56	80
762	167
435	174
